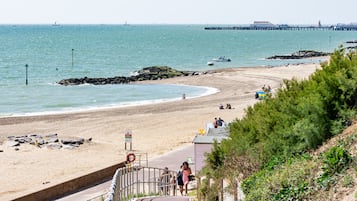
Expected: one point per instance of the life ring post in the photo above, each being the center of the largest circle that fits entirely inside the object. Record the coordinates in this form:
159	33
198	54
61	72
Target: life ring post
130	157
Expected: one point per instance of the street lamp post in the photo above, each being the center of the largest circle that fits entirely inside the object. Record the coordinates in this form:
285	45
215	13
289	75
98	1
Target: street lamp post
27	66
72	56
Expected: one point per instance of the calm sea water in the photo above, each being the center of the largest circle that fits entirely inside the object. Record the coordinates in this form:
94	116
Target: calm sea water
118	50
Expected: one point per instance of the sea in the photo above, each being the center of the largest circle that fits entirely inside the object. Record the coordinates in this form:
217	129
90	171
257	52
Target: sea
33	58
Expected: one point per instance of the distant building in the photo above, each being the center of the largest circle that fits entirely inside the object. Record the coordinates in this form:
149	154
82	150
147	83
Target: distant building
262	24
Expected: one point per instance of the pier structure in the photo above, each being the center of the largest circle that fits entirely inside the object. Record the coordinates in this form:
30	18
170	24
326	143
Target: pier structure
265	25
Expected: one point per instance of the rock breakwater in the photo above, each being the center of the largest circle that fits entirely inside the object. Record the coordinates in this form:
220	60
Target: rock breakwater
148	73
302	54
51	141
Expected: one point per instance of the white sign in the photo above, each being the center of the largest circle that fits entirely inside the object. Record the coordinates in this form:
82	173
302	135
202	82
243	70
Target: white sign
128	136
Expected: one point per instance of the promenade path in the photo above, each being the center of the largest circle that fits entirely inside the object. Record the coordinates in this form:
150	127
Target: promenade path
172	160
165	199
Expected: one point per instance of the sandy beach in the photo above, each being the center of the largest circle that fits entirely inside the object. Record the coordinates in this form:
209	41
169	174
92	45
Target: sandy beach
156	128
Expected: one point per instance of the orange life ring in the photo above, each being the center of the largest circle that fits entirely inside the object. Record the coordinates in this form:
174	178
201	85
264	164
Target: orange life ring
130	157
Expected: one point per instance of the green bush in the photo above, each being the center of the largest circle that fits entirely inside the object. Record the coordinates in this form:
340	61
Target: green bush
287	181
334	161
291	192
299	117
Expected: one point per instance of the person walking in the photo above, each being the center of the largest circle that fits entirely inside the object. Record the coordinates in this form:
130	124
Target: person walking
165	181
186	171
180	180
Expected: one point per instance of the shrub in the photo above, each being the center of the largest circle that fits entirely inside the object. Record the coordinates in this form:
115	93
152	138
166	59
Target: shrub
348	181
287	181
334	161
299	117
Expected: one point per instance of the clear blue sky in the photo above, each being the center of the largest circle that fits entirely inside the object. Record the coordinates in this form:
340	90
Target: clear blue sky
177	11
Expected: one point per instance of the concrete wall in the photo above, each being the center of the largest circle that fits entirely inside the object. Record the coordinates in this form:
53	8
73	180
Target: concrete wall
73	185
200	150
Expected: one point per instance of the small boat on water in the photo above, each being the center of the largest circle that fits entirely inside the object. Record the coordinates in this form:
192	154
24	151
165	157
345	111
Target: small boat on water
55	24
222	59
210	63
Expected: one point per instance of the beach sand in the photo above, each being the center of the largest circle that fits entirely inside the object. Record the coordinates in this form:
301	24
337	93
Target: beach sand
156	128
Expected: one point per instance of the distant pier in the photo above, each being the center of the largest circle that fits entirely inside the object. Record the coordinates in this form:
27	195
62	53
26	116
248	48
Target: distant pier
289	28
264	25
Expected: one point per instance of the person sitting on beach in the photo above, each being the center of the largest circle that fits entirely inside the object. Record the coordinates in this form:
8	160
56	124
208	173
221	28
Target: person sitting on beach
220	121
269	88
228	106
221	107
215	122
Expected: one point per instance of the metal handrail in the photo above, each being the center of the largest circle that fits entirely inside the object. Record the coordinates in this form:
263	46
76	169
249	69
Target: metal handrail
135	181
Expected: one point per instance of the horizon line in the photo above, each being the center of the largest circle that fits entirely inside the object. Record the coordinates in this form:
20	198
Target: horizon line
128	24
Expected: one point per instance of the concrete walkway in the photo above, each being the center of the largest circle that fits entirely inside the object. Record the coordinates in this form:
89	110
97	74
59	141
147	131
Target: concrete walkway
165	199
172	160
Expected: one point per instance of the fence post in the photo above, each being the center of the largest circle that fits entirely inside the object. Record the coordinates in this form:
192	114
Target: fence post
235	192
208	184
198	188
144	190
137	182
174	182
119	186
221	189
128	180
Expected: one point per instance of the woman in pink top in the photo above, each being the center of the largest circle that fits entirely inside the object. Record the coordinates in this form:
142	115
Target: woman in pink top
186	171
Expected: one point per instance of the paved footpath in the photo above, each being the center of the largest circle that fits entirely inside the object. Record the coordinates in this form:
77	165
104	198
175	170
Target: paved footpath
172	160
165	199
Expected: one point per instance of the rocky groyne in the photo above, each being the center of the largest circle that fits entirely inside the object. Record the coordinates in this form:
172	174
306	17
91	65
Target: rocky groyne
51	141
351	41
148	73
302	54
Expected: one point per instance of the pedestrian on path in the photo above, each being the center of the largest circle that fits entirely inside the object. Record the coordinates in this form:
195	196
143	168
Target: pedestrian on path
165	179
186	171
180	180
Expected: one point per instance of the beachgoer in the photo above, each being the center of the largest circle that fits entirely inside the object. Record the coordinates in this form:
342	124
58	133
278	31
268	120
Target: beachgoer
186	171
221	107
220	121
228	106
164	180
180	180
269	88
215	122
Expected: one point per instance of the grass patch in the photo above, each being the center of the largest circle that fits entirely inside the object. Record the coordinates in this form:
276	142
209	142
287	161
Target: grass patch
348	181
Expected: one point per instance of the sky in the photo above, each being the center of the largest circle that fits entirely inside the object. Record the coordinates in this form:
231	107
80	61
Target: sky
177	11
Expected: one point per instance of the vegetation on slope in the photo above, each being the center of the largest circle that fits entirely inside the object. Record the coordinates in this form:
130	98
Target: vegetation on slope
278	133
